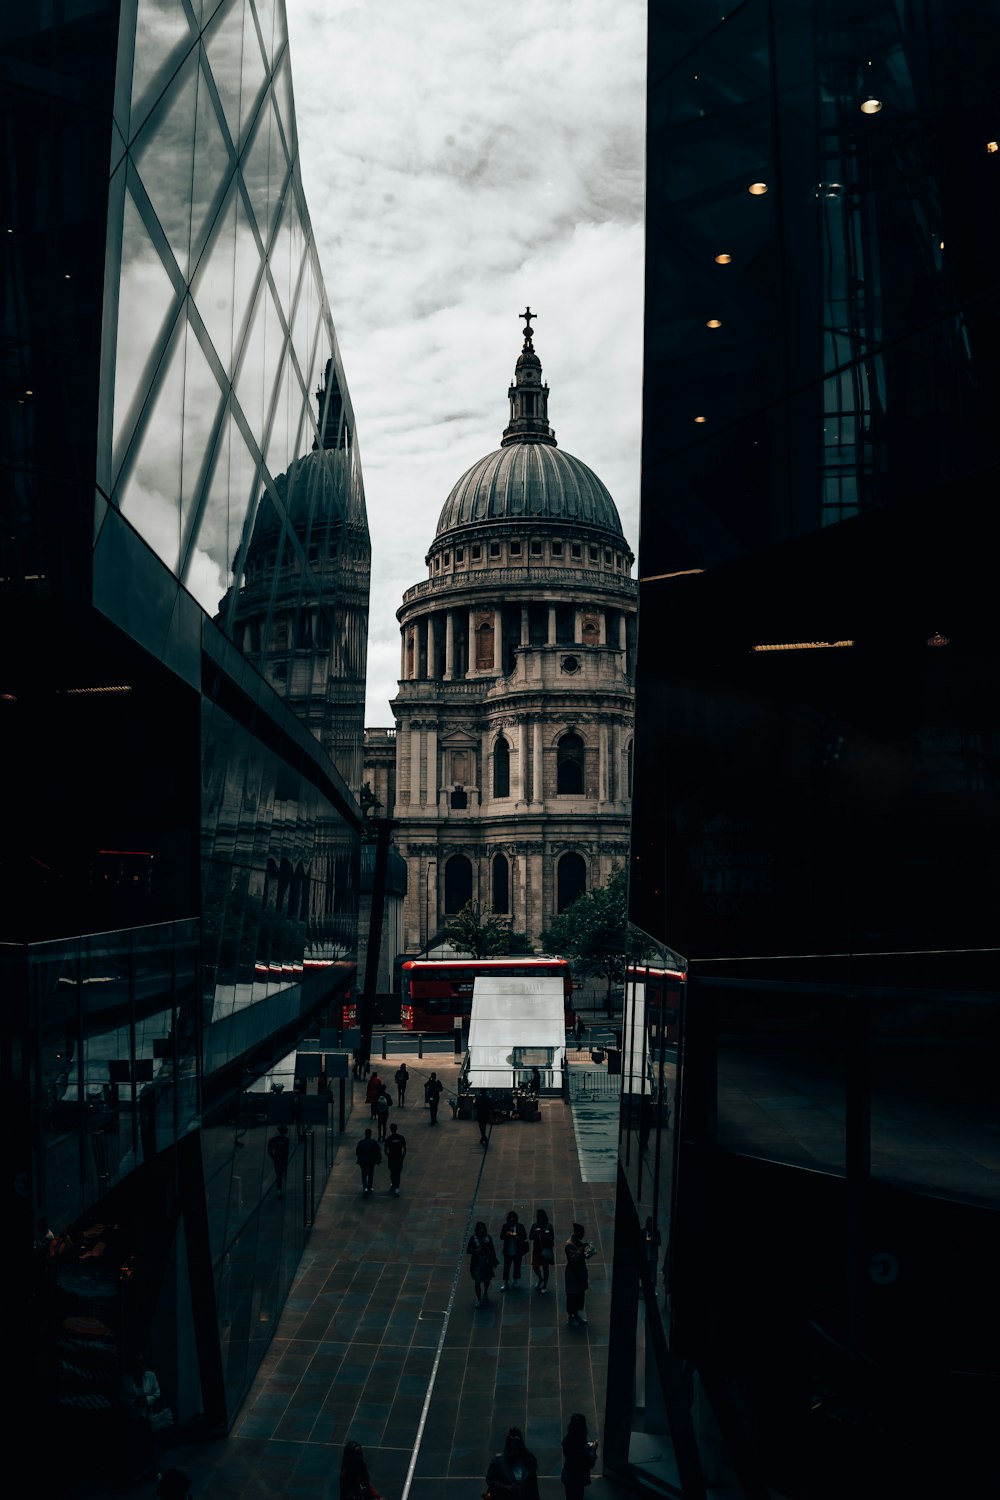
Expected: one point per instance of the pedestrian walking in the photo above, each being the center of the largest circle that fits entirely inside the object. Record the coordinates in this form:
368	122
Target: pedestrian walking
513	1473
542	1238
369	1154
395	1151
578	1252
579	1031
277	1149
380	1111
433	1089
355	1481
372	1092
579	1457
514	1240
402	1077
483	1262
484	1115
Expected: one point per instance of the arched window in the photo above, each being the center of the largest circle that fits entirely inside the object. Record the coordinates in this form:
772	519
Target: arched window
569	766
501	768
501	884
457	884
571	880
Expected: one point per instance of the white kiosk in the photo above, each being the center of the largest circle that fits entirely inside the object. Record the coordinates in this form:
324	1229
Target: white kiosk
516	1024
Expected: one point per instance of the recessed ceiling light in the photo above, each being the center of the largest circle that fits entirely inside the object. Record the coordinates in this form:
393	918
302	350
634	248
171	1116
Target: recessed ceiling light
714	323
870	105
992	147
701	419
758	189
723	259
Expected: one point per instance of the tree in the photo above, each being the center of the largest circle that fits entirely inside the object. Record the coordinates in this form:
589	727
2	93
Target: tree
594	933
478	931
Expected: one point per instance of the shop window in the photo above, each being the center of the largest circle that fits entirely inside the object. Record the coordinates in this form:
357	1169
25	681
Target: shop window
501	768
571	880
569	766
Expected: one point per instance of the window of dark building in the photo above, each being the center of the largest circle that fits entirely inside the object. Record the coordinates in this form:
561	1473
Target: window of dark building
447	559
459	554
569	766
501	884
515	549
593	554
577	550
457	884
571	880
607	557
557	549
536	548
459	799
494	549
501	768
477	552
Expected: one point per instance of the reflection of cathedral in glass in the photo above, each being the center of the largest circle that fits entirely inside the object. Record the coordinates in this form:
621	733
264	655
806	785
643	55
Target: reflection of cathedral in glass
180	867
301	615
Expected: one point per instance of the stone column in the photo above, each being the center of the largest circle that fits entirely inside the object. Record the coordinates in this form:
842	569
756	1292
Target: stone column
520	786
471	671
432	778
623	637
402	652
431	645
537	791
552	624
525	629
578	625
602	764
497	638
415	796
402	763
486	775
449	645
602	627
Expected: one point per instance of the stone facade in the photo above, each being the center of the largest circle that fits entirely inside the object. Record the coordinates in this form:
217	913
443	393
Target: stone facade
513	720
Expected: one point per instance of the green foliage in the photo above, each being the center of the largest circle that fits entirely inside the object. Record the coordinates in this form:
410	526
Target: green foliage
480	932
370	806
594	933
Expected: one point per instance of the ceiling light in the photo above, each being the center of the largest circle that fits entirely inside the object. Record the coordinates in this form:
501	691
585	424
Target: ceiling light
723	259
937	639
992	147
701	419
803	646
714	323
758	189
870	105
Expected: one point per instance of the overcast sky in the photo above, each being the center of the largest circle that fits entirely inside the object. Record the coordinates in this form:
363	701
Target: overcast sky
460	161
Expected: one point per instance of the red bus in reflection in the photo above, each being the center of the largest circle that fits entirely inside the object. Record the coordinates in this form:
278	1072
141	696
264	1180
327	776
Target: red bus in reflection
664	988
437	990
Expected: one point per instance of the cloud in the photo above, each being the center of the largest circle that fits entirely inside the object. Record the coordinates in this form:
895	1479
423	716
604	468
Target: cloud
459	162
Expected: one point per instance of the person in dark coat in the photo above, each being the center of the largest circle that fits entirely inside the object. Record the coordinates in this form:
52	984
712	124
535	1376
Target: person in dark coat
542	1238
579	1457
355	1481
380	1111
578	1252
277	1149
369	1154
513	1474
484	1114
402	1076
433	1089
482	1262
395	1150
372	1091
514	1239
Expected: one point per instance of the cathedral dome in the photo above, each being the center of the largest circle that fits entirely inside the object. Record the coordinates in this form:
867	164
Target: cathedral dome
529	478
531	481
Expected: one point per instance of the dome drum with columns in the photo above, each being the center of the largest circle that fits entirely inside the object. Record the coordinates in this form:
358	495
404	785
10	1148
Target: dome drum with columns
514	713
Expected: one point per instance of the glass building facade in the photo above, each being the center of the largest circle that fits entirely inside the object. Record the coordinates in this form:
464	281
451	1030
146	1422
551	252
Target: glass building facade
809	1205
184	599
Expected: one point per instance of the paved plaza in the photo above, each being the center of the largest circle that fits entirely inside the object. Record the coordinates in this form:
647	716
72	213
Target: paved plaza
380	1339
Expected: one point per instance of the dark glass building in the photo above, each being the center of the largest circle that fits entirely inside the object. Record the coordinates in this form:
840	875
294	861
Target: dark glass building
805	1293
183	615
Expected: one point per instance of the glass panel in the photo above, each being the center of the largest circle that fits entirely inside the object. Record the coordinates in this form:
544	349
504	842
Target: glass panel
224	47
265	18
246	269
249	385
212	550
202	399
284	101
280	257
164	158
278	455
213	285
150	495
212	167
146	300
253	74
160	26
257	172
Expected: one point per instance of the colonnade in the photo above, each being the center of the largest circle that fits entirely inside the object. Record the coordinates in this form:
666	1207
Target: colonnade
417	665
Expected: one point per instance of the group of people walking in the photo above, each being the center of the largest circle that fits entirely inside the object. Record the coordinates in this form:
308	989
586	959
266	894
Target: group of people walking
512	1473
516	1242
389	1144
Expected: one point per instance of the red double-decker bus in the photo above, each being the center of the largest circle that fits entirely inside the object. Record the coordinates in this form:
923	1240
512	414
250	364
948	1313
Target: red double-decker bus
664	988
437	990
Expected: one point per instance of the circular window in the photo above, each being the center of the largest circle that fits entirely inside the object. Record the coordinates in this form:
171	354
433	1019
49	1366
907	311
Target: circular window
571	664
